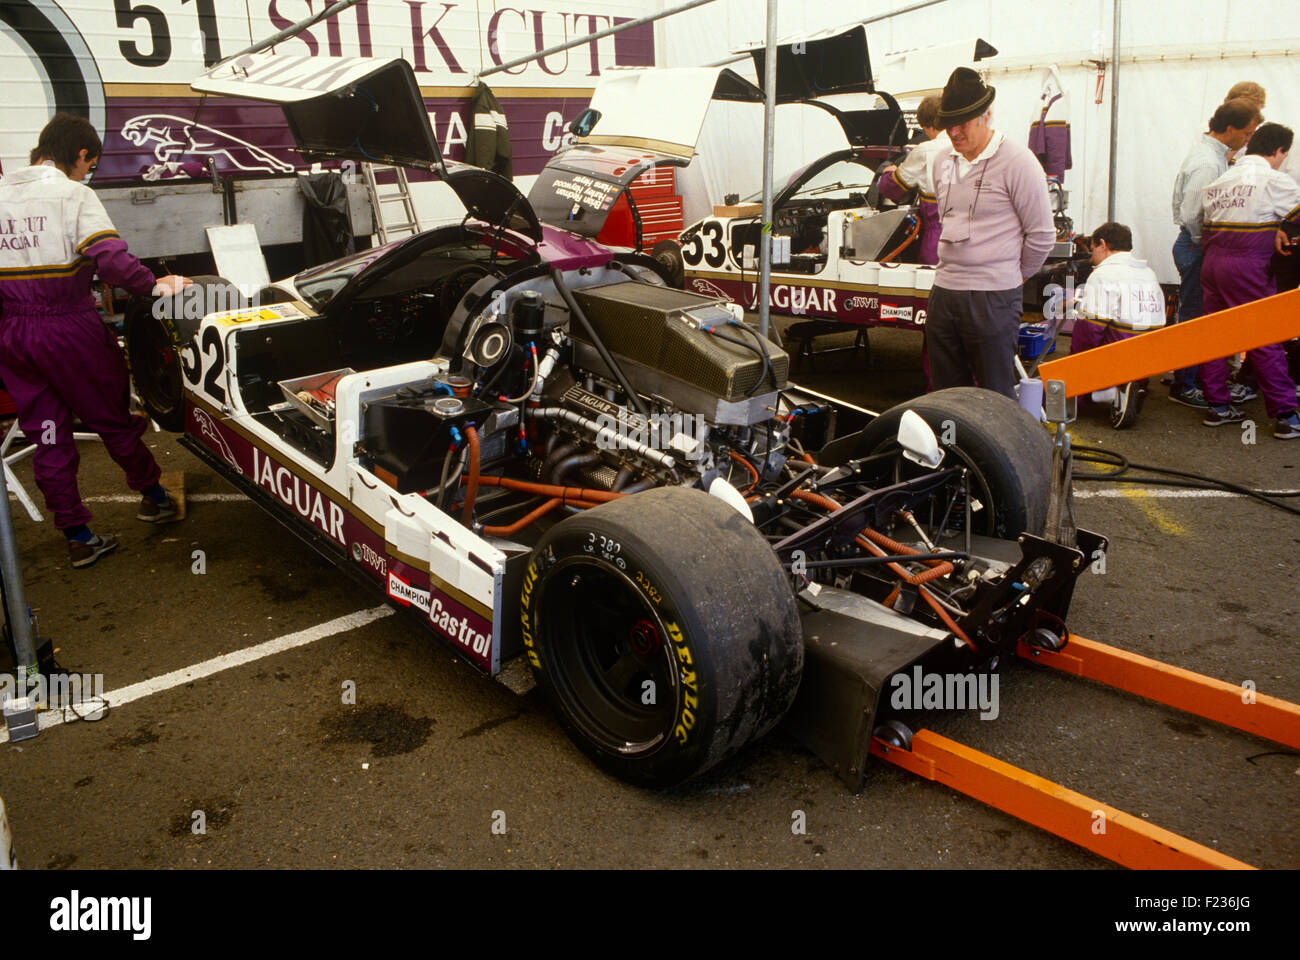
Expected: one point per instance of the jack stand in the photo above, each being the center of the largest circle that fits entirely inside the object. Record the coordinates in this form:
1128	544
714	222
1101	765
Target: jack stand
1060	527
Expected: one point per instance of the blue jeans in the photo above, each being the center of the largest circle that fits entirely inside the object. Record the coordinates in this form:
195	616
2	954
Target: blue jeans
1187	258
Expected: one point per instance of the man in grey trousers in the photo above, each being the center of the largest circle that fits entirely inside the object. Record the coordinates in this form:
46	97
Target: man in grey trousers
996	232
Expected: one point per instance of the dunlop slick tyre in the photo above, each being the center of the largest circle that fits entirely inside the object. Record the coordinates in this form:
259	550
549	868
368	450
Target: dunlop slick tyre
672	588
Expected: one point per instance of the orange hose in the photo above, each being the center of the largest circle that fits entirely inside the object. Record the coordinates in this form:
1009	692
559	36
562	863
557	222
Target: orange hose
548	490
807	458
471	490
894	546
902	246
870	538
748	466
810	497
525	520
925	594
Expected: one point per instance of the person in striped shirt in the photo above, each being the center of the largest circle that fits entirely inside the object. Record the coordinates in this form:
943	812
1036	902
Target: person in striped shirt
59	361
1243	213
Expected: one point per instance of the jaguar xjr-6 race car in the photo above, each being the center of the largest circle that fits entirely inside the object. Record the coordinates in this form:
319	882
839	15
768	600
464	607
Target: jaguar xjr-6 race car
541	449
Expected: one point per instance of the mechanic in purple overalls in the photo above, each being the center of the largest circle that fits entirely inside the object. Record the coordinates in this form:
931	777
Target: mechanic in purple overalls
59	361
917	173
1244	210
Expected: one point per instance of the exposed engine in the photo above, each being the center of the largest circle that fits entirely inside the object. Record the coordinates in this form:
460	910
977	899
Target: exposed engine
619	384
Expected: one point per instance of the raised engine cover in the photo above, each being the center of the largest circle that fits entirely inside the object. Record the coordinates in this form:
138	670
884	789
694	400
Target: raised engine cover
655	334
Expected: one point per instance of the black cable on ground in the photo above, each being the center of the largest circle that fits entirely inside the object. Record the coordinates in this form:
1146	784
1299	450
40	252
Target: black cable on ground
1191	480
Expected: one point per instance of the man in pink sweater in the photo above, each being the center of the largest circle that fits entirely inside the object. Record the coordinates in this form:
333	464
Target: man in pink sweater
996	232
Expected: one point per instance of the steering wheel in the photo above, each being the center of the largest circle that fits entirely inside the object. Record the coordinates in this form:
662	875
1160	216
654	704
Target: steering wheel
457	284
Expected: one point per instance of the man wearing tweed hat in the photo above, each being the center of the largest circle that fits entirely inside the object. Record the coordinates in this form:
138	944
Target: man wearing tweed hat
996	232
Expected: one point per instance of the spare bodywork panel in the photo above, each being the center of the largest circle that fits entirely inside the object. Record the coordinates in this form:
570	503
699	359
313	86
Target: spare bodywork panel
831	61
662	110
367	111
648	118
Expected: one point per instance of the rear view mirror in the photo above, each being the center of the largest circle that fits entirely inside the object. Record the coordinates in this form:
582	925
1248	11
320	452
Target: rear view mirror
918	441
581	125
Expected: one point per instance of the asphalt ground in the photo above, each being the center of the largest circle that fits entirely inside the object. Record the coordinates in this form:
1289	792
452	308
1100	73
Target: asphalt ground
435	766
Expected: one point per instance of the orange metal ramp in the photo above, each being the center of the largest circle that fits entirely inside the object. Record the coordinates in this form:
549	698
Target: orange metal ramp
1098	827
1271	320
1235	705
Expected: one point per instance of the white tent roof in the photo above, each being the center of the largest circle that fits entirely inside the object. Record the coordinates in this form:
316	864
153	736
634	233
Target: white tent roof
1178	60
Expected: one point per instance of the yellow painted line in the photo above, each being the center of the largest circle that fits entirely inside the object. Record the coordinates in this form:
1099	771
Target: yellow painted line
1147	504
1144	500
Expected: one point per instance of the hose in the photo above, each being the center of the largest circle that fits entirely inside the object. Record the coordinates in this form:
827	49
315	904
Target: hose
532	386
447	482
471	489
902	246
762	356
762	352
525	520
869	538
588	494
563	289
748	466
943	615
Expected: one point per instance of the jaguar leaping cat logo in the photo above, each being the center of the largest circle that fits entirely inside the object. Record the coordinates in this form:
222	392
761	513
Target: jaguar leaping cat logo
709	290
209	430
175	138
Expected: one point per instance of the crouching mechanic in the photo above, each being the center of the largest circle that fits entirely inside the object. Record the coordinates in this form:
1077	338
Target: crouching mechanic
1121	299
1244	210
59	360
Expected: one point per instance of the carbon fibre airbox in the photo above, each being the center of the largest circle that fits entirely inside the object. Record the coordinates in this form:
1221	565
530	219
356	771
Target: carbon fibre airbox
659	335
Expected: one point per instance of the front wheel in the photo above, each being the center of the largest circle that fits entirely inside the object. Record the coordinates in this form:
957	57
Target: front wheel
664	632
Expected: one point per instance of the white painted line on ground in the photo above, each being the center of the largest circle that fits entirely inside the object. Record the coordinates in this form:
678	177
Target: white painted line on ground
136	691
135	498
1168	494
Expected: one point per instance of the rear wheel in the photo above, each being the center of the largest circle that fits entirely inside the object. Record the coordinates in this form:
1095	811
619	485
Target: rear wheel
664	632
157	330
1007	451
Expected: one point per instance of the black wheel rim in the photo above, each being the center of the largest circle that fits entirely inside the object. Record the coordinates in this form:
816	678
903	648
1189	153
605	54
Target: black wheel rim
155	367
985	522
604	642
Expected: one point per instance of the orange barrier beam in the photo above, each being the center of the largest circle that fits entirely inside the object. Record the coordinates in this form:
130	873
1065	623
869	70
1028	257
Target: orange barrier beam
1104	830
1271	320
1226	703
